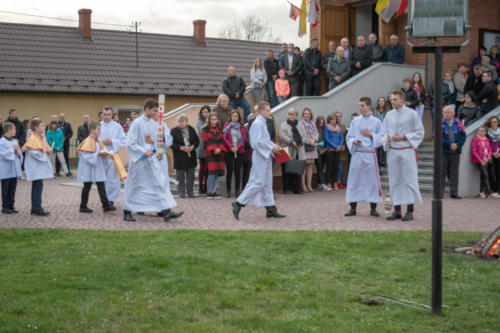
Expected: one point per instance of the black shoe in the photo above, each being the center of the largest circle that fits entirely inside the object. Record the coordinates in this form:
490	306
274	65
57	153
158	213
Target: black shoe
202	190
298	192
39	212
272	211
456	197
351	212
85	210
236	210
111	203
14	210
108	209
167	215
394	216
408	217
216	196
7	211
127	216
374	213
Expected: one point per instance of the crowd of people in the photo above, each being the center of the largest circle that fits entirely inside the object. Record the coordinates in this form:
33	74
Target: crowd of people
220	142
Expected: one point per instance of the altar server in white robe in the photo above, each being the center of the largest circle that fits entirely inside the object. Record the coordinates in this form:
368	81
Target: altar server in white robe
363	138
114	139
402	132
146	187
259	188
11	159
37	164
91	168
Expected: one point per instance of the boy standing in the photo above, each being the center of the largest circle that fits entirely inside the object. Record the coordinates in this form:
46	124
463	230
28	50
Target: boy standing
10	167
91	168
38	165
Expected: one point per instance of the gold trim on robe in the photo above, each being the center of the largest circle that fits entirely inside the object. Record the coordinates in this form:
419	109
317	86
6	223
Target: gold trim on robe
88	145
36	142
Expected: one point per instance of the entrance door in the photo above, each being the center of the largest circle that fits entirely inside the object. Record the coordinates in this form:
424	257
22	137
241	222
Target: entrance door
336	22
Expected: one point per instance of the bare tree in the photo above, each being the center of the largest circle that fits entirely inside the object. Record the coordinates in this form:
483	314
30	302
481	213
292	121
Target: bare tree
249	28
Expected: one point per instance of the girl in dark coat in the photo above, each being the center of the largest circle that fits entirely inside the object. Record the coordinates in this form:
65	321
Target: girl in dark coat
215	147
184	143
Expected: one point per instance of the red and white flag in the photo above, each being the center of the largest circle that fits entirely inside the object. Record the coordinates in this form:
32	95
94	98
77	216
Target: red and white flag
313	13
402	8
294	12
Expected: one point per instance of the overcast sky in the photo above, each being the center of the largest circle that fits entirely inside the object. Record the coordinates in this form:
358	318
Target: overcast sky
167	16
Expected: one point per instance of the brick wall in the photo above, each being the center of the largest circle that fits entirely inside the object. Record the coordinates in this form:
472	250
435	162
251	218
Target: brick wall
483	14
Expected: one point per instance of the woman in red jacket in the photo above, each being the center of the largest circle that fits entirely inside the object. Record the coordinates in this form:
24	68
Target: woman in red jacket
481	157
215	147
235	137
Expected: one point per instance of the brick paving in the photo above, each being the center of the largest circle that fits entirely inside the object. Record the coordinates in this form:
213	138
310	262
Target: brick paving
314	211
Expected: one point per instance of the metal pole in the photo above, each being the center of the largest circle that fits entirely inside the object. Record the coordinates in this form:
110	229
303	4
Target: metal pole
437	205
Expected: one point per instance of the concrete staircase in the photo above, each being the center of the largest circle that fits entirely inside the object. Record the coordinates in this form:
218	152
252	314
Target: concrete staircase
425	168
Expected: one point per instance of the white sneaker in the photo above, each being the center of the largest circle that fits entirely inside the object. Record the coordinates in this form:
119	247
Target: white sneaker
324	187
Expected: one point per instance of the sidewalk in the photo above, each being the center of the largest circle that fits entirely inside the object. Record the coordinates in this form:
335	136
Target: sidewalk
315	211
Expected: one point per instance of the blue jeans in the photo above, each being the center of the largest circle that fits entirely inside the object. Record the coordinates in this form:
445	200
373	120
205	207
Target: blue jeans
271	93
242	103
339	171
36	194
212	183
281	99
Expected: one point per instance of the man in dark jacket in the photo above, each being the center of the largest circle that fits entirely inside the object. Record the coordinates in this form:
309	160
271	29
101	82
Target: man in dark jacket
312	65
234	87
475	81
292	65
19	125
301	76
394	52
411	98
377	51
338	69
361	57
326	58
453	139
83	130
68	133
271	66
488	97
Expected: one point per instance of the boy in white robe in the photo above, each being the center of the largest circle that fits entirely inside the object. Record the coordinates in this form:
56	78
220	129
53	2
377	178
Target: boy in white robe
259	189
146	187
401	134
113	138
10	167
91	168
37	164
363	138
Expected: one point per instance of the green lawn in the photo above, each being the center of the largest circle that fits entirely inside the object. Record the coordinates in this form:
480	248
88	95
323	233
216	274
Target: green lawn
215	281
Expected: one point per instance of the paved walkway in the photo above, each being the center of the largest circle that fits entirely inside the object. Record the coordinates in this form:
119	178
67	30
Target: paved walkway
315	211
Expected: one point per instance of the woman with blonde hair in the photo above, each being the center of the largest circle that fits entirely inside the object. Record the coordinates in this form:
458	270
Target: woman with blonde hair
311	153
258	79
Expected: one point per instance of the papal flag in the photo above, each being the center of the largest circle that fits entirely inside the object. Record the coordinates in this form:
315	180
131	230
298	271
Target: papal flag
312	16
294	12
303	18
390	10
381	5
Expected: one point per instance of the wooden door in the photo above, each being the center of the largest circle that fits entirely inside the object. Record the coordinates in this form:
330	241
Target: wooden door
336	22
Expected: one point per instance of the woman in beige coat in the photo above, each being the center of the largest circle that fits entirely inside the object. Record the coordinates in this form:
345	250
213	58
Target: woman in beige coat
292	135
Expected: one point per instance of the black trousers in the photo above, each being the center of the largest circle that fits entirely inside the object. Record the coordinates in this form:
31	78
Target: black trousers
8	192
494	174
102	194
313	85
451	163
294	85
320	163
484	176
247	166
332	164
381	157
233	165
36	194
291	182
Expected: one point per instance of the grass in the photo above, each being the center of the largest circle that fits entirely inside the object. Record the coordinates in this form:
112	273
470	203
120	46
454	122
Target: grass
214	281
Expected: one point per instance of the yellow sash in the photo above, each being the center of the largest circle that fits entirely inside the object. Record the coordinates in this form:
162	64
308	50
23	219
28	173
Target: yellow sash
88	145
36	142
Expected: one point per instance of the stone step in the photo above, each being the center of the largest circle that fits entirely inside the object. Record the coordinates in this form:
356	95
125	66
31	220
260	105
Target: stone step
423	187
421	171
421	179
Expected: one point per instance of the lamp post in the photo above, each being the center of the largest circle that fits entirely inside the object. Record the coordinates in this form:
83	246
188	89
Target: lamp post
431	19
